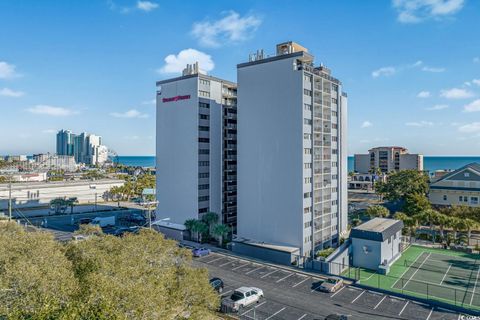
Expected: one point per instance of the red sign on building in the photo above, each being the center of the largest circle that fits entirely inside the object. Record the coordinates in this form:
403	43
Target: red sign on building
176	98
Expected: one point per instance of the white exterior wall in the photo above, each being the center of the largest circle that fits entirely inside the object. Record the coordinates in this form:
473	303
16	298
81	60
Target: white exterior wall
411	161
270	153
177	152
378	251
343	166
27	195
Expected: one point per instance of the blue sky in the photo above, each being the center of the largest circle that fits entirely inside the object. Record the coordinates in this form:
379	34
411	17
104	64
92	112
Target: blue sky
411	67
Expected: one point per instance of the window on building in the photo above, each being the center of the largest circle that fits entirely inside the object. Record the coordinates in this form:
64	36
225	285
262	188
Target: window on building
203	198
307	121
460	198
203	175
308	180
334	101
204	105
307	165
203	210
203	163
334	113
203	151
204	116
307	136
203	128
307	210
205	82
307	195
204	94
307	92
307	151
307	107
444	197
335	139
203	186
308	78
204	140
474	200
334	151
334	126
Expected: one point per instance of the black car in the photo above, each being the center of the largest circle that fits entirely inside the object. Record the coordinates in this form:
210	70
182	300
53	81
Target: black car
217	284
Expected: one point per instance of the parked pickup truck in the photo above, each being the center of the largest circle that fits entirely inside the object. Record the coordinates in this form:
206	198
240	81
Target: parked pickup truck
242	297
104	221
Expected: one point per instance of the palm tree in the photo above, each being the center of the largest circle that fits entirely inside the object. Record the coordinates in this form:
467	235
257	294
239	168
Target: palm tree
210	218
190	225
220	230
201	228
469	224
442	222
71	202
456	224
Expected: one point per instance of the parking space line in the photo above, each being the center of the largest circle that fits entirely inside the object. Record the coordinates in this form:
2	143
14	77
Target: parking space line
291	274
401	311
379	302
333	295
261	267
273	315
224	264
430	314
302	317
266	275
258	305
315	288
361	293
226	292
243	265
214	260
300	282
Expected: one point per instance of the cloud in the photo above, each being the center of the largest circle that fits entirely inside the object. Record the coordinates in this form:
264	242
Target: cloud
420	124
146	6
424	94
473	106
456	93
476	81
437	107
384	71
133	113
8	71
415	11
232	28
469	128
176	63
6	92
476	60
51	111
366	124
433	69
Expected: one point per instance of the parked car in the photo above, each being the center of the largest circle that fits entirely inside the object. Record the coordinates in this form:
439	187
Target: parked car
331	284
84	221
336	317
200	252
217	284
124	230
104	221
242	297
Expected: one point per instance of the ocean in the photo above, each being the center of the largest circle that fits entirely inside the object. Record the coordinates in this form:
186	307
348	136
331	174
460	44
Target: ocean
430	163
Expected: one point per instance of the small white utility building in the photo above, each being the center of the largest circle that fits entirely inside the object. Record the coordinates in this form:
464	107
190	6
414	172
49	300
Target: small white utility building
376	244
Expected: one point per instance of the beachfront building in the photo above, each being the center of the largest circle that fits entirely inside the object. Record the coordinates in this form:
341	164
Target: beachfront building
85	148
292	158
387	159
196	148
459	187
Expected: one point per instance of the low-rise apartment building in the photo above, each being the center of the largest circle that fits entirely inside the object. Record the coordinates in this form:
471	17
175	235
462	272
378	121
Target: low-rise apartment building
459	187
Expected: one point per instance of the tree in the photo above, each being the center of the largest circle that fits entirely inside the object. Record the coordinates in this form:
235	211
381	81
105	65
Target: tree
377	211
219	231
59	205
210	218
190	225
71	202
410	223
416	203
36	279
403	183
89	230
139	276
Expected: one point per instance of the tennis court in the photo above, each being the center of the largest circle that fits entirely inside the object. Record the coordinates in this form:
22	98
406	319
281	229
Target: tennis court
436	274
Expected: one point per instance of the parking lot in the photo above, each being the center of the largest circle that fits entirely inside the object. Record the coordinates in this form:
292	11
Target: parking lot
292	295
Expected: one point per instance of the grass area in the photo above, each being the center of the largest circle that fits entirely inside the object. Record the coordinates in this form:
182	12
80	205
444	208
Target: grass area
412	281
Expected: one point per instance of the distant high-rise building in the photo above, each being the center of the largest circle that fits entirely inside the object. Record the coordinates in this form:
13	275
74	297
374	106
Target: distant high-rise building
86	148
387	159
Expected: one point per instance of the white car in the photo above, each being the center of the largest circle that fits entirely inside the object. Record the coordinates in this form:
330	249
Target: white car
243	297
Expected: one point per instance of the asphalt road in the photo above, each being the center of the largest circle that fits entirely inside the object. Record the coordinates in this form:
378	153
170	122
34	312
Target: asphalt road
294	296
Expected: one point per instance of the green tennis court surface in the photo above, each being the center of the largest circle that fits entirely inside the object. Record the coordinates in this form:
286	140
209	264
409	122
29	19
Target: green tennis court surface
436	274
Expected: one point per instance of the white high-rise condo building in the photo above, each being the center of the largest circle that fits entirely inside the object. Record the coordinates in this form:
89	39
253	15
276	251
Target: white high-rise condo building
86	148
292	156
196	148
